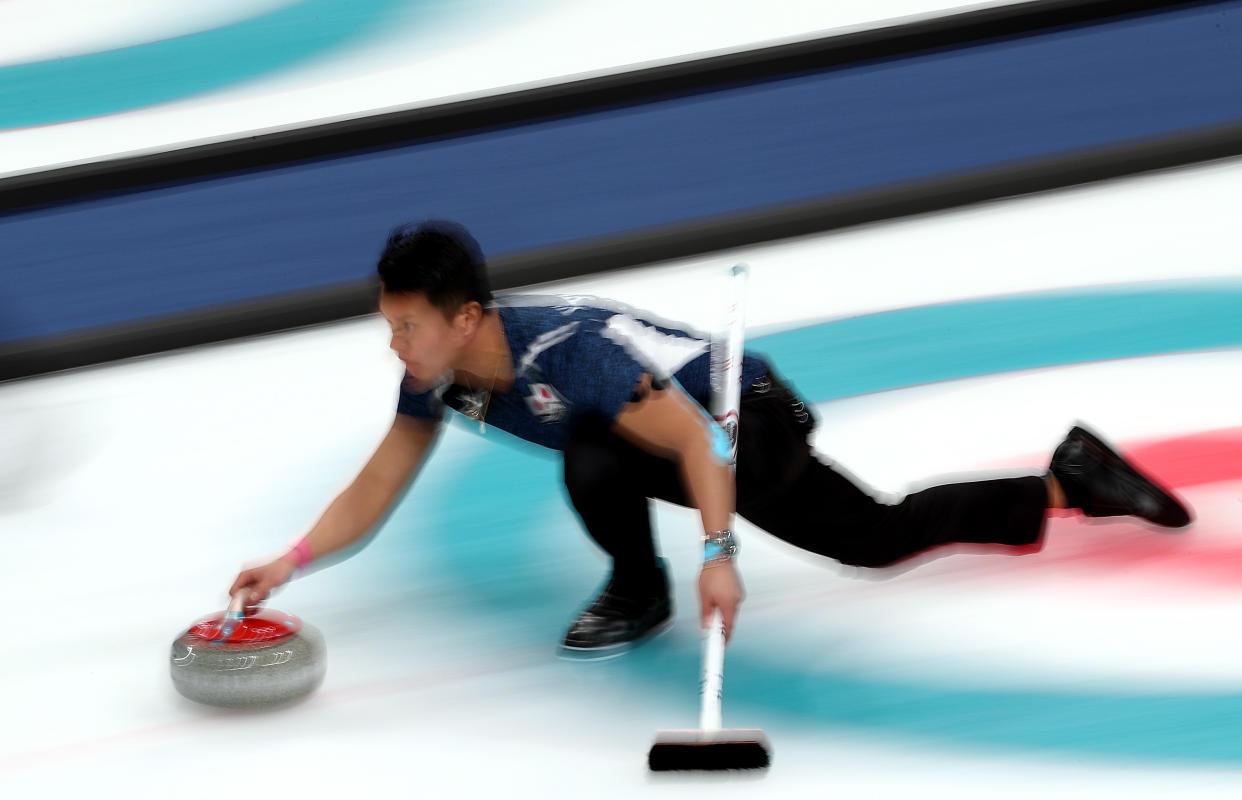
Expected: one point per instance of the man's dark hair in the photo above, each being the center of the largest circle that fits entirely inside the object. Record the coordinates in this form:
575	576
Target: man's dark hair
439	260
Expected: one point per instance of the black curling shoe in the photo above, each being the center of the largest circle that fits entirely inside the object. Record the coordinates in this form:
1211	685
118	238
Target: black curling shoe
619	619
1100	482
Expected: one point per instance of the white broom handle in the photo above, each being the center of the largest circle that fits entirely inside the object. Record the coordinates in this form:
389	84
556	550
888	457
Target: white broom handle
711	683
726	358
726	368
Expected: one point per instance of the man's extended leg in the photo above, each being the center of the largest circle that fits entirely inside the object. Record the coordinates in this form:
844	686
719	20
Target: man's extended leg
823	511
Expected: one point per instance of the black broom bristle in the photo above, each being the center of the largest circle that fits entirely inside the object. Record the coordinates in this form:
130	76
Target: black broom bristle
668	756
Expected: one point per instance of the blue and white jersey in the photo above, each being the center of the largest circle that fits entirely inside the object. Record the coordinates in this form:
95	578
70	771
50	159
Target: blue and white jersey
576	358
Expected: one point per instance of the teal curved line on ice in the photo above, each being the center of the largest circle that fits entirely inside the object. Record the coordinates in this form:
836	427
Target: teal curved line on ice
911	347
64	89
519	559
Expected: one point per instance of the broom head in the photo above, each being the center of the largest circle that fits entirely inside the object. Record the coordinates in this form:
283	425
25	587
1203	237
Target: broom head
728	748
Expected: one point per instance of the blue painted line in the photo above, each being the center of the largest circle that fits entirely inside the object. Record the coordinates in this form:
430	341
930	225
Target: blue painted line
77	87
1195	728
923	345
521	556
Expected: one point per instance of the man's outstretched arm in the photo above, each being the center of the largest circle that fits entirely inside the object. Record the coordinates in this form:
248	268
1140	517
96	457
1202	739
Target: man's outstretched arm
356	510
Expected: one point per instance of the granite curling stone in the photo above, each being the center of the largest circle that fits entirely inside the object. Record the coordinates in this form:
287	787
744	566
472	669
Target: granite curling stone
248	658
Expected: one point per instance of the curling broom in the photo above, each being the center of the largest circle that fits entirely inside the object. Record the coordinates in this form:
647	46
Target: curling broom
711	747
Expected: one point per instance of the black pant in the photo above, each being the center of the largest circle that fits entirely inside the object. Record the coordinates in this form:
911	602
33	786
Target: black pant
783	488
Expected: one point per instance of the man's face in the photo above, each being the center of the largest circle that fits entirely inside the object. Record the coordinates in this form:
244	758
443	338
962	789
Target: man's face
422	338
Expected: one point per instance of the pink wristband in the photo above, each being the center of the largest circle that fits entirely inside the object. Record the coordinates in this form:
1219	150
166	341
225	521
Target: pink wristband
301	553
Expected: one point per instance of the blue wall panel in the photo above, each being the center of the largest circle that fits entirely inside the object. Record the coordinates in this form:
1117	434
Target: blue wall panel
242	237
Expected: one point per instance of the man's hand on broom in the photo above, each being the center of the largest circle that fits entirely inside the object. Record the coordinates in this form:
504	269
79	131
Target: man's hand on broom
720	587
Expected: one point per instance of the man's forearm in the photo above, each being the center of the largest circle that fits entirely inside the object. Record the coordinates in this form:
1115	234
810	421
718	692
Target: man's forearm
349	518
711	488
360	508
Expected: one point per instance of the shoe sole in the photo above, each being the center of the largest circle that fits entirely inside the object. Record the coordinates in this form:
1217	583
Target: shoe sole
606	652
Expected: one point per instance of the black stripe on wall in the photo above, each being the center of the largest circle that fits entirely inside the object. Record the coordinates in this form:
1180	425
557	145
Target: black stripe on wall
396	128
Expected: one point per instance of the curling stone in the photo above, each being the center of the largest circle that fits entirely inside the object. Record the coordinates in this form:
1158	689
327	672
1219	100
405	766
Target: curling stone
248	657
